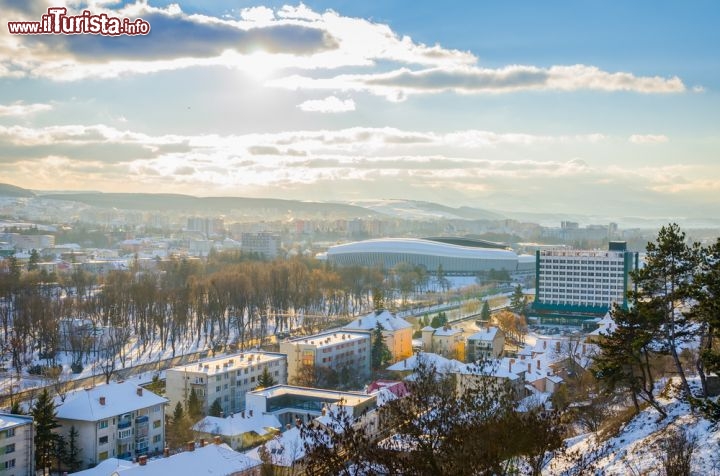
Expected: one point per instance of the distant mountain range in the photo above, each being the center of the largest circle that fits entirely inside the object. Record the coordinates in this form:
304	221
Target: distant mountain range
272	208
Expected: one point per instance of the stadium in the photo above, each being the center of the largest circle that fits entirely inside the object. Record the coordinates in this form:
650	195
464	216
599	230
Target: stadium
457	256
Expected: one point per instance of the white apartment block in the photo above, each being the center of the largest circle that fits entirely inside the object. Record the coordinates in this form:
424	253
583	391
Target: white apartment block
17	449
227	378
118	420
582	281
264	244
334	350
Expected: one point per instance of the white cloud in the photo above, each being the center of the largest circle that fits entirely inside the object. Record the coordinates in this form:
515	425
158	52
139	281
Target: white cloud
397	85
328	105
648	139
20	109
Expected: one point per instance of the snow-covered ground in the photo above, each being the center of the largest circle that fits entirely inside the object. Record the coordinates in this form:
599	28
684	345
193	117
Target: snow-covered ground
637	449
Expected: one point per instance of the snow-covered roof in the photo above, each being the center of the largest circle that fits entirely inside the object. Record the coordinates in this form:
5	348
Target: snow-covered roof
606	326
419	246
387	320
238	424
215	460
440	363
284	449
446	331
9	420
487	334
106	401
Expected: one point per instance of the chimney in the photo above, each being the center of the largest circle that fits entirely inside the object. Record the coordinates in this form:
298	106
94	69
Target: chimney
166	452
538	364
202	442
217	440
583	349
529	368
139	391
102	400
143	460
190	446
544	344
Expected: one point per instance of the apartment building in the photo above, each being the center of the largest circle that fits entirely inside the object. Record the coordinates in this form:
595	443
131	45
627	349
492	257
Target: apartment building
334	350
17	450
226	378
264	244
118	420
488	343
446	341
397	332
576	285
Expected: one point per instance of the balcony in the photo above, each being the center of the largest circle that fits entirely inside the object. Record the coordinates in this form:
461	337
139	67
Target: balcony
122	424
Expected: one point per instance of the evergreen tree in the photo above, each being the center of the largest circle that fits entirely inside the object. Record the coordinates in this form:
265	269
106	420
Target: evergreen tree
485	312
517	301
194	407
707	312
16	409
665	282
380	353
266	380
34	260
43	413
216	408
61	451
178	414
72	459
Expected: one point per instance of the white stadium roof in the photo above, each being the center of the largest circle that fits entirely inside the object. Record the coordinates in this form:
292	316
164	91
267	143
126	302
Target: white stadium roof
422	247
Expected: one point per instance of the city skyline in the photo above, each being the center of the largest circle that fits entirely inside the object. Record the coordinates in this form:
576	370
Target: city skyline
563	107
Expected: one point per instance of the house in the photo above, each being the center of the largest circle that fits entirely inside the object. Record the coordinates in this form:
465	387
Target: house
446	341
118	420
438	362
227	378
339	351
397	332
242	430
213	459
17	449
487	343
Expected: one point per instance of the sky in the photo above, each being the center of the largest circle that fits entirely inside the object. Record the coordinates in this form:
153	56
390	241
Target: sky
604	108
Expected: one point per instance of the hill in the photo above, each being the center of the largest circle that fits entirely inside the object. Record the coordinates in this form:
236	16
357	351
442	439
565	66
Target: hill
188	203
643	444
7	190
420	210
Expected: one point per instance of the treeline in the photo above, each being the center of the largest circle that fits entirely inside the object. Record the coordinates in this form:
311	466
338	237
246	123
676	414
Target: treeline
225	300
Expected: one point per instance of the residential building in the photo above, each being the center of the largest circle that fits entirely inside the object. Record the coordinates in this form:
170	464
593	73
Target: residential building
397	332
226	378
118	420
446	341
488	343
336	350
264	244
17	449
578	286
213	459
240	431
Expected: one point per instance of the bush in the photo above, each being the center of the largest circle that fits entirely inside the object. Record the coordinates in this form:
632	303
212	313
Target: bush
76	367
676	451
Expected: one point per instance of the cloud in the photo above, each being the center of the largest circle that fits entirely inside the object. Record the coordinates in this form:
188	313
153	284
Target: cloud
328	105
20	109
397	85
648	139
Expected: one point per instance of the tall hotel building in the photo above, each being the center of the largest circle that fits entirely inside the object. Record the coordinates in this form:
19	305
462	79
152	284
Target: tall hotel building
573	286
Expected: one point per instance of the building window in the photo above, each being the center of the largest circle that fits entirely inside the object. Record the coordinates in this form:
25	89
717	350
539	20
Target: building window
103	456
156	438
10	432
157	423
10	448
103	440
102	424
9	464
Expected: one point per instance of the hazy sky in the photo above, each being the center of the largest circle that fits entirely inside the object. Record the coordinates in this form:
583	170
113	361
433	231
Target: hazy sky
560	106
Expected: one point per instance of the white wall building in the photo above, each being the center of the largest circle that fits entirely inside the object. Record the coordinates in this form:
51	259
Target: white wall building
333	350
17	449
227	378
118	420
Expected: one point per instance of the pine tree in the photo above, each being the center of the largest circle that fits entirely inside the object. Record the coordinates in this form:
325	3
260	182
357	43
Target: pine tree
194	407
266	380
179	413
72	459
380	353
34	260
43	413
517	301
216	408
485	312
707	312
